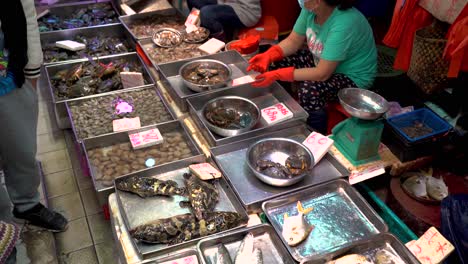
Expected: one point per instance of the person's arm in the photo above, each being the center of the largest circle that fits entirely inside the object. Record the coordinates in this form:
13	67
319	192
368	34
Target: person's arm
33	69
292	43
322	72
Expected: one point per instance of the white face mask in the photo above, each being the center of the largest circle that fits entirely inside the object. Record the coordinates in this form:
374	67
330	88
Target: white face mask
301	3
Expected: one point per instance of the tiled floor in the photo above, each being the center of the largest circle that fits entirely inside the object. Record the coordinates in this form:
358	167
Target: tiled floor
88	238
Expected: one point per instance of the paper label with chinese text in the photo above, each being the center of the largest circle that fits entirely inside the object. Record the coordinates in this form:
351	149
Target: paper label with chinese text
318	144
431	247
205	171
126	124
145	138
276	113
362	175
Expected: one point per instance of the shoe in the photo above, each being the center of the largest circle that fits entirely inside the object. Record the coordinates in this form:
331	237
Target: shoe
43	217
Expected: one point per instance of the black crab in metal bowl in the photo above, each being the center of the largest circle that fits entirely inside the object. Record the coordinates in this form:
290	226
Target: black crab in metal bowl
230	115
205	74
279	161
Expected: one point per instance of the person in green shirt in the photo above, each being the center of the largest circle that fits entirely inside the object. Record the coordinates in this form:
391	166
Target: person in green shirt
341	53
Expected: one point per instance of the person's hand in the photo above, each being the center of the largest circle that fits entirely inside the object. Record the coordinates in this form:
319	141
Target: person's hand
261	61
267	78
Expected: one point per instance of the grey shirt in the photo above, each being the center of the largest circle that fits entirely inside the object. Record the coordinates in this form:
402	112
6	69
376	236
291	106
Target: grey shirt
248	11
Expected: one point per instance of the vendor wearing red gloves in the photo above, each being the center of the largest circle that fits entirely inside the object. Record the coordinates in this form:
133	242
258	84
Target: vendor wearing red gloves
341	53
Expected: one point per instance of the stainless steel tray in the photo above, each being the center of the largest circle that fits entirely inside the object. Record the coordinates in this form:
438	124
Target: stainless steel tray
231	160
110	30
369	247
170	78
129	19
68	9
263	97
266	240
122	137
130	57
186	251
84	99
340	216
147	45
135	209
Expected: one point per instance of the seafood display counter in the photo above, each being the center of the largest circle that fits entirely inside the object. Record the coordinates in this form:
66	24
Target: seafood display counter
135	211
262	98
170	78
232	161
100	41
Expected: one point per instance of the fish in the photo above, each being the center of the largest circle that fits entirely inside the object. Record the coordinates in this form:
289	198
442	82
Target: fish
436	188
184	227
352	259
416	185
222	255
385	257
247	252
148	187
295	228
203	196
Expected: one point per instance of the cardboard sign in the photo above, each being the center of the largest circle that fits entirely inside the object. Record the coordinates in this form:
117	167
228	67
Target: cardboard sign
276	113
370	172
193	20
212	46
431	248
318	144
205	171
145	138
186	260
126	124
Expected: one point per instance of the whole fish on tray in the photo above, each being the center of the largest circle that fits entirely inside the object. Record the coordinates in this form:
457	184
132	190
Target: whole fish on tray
185	227
247	252
203	196
221	256
148	187
295	228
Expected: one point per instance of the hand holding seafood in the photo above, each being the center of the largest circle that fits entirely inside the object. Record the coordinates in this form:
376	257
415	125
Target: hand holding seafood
167	37
295	165
149	187
185	227
197	36
203	196
295	228
146	26
92	15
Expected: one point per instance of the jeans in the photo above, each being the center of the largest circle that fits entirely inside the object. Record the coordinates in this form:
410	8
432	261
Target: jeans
218	19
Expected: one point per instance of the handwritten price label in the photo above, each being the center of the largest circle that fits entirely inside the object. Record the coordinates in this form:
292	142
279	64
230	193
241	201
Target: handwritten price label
430	248
187	260
145	138
205	171
362	175
318	144
276	113
192	20
126	124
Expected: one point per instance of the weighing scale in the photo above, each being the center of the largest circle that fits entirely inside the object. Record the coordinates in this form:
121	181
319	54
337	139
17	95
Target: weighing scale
358	137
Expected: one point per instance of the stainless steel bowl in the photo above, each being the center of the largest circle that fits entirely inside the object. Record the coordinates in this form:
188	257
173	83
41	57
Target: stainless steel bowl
278	150
362	103
197	41
159	32
190	66
239	104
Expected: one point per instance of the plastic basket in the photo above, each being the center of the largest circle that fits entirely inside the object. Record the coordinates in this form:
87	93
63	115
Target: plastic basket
423	115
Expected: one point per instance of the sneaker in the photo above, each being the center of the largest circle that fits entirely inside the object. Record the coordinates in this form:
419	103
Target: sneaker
43	217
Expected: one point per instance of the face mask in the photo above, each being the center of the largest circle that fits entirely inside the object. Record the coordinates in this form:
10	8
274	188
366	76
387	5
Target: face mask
301	3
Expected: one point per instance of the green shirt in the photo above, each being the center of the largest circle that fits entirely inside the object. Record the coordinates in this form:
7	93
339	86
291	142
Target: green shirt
347	37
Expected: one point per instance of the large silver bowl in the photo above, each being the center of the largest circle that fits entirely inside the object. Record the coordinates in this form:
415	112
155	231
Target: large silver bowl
241	105
362	103
278	150
191	66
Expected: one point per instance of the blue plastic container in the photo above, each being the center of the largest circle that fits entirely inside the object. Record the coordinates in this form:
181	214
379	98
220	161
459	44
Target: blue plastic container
423	115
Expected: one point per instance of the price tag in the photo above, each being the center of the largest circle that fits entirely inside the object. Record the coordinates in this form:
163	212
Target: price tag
145	138
186	260
362	175
205	171
318	144
431	248
242	80
212	46
193	20
126	124
276	113
132	79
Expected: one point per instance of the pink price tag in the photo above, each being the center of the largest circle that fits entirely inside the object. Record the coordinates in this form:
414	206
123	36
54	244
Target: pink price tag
276	113
192	19
432	247
318	144
145	138
126	124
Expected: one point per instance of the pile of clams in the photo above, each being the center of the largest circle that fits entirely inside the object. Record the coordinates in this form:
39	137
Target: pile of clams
145	27
183	51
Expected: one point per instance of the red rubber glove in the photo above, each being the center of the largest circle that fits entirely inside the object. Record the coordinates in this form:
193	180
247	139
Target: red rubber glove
261	61
267	78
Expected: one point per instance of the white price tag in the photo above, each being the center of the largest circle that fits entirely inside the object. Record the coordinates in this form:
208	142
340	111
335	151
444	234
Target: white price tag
430	248
276	113
193	20
318	144
371	172
126	124
242	80
145	138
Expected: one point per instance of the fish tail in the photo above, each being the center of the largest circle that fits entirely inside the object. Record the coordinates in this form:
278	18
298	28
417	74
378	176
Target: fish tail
302	210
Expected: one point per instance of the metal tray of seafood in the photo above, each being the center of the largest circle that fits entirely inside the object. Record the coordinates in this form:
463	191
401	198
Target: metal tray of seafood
135	209
263	98
146	114
340	216
265	237
170	13
252	192
384	242
181	253
68	10
51	70
104	145
111	30
158	55
170	78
